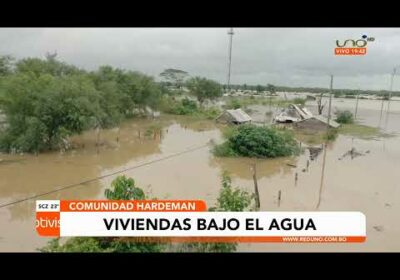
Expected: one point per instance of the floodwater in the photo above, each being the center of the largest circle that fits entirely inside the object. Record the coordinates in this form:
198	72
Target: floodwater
368	183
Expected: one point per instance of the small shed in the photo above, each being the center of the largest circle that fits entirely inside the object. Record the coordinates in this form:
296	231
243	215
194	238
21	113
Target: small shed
316	123
237	116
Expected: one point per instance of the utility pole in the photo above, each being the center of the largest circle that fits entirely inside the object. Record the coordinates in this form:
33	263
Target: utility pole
230	33
355	112
390	96
325	148
257	194
330	102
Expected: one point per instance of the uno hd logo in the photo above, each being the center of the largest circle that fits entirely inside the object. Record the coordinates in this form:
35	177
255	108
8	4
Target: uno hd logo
353	47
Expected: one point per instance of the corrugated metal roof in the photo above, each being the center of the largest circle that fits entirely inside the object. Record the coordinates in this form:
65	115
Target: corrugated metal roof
323	119
305	114
239	115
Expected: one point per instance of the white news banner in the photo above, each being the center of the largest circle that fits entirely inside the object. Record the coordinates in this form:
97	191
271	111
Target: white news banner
179	220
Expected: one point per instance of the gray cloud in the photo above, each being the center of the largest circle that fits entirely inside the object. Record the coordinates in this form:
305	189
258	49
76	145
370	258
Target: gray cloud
282	56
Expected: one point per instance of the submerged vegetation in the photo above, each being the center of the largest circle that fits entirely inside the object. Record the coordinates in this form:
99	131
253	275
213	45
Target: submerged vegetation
315	138
344	117
361	131
256	141
190	107
45	101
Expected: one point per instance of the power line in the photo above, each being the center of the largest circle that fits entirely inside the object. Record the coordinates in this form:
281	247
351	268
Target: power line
101	177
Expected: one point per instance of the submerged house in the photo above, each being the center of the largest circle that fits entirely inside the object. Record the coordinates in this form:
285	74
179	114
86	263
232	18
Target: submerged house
237	116
293	113
302	118
316	123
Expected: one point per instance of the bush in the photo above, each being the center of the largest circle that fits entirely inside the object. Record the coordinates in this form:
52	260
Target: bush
344	117
260	142
337	95
299	100
210	113
230	199
233	104
184	107
331	134
122	188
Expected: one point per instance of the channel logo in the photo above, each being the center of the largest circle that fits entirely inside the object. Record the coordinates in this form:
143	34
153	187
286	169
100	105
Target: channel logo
353	46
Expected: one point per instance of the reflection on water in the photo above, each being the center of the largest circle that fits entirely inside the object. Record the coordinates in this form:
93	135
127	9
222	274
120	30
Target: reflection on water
242	167
369	183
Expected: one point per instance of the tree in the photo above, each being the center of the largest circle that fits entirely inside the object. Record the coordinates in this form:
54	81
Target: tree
174	76
42	111
49	66
124	91
345	117
320	106
122	188
271	88
6	65
259	88
143	90
230	199
257	141
204	89
46	100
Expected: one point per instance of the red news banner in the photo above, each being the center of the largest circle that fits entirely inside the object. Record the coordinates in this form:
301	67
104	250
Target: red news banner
350	51
189	221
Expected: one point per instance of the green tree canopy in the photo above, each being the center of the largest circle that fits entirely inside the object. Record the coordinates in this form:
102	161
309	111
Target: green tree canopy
271	88
42	111
174	76
259	88
6	62
204	88
257	141
46	100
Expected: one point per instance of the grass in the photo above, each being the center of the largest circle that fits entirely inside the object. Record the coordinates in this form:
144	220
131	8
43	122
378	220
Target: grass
361	131
353	129
315	138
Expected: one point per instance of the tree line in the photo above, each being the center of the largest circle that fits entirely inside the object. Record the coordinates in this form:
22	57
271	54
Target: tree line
336	92
46	100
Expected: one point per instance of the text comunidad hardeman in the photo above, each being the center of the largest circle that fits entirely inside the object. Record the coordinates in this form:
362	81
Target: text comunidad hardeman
148	224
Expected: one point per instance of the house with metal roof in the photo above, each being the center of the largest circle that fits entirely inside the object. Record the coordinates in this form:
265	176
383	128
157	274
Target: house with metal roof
237	116
293	113
316	123
302	118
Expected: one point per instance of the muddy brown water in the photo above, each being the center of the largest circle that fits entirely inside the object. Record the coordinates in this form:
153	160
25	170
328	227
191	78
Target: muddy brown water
367	183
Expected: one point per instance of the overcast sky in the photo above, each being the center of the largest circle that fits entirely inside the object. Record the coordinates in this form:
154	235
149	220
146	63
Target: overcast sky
280	56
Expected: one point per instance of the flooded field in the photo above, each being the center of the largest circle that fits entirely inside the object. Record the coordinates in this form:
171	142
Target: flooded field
368	183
